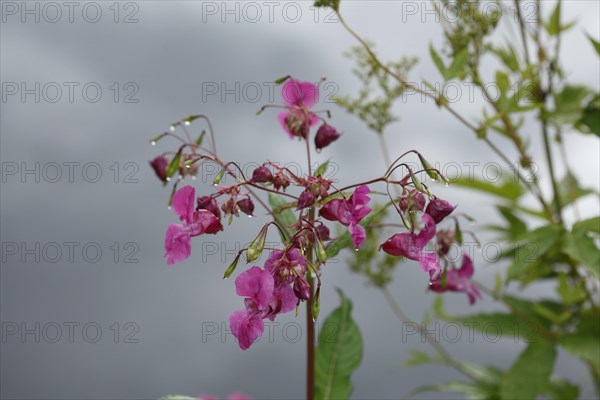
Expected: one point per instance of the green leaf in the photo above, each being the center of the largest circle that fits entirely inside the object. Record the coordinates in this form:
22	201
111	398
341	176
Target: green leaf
473	391
508	57
587	225
529	375
338	353
560	390
595	43
553	25
516	226
590	119
437	60
285	215
506	189
569	190
321	169
582	248
457	68
345	240
568	109
334	4
584	343
529	251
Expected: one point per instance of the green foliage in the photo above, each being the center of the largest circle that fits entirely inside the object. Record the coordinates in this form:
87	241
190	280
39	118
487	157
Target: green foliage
507	189
282	212
374	106
338	354
533	87
334	4
522	380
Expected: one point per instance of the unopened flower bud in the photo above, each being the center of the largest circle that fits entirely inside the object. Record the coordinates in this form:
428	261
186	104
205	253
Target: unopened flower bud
306	199
159	165
257	246
323	232
325	136
439	209
301	288
280	181
262	175
246	206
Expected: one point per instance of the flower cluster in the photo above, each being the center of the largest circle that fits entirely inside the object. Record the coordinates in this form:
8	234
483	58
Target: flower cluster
412	245
278	288
286	278
194	222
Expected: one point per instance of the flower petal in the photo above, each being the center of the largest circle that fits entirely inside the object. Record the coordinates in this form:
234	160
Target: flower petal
300	94
184	203
256	284
178	245
245	327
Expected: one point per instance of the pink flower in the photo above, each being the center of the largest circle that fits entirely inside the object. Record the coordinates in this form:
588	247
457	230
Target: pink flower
457	280
287	267
298	97
193	223
439	209
268	292
349	213
246	327
257	285
410	245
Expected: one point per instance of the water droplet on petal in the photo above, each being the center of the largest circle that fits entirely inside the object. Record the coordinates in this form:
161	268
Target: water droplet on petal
319	151
187	123
172	128
249	216
447	184
168	179
356	249
168	207
153	143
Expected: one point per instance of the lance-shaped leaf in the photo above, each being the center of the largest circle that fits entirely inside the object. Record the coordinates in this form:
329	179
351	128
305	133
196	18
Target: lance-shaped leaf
530	374
338	354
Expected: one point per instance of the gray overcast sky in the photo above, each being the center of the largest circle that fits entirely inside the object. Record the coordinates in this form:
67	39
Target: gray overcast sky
141	330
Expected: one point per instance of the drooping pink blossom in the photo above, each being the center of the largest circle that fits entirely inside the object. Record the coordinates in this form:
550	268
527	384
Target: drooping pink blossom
256	284
411	246
457	280
246	327
439	209
193	223
349	212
